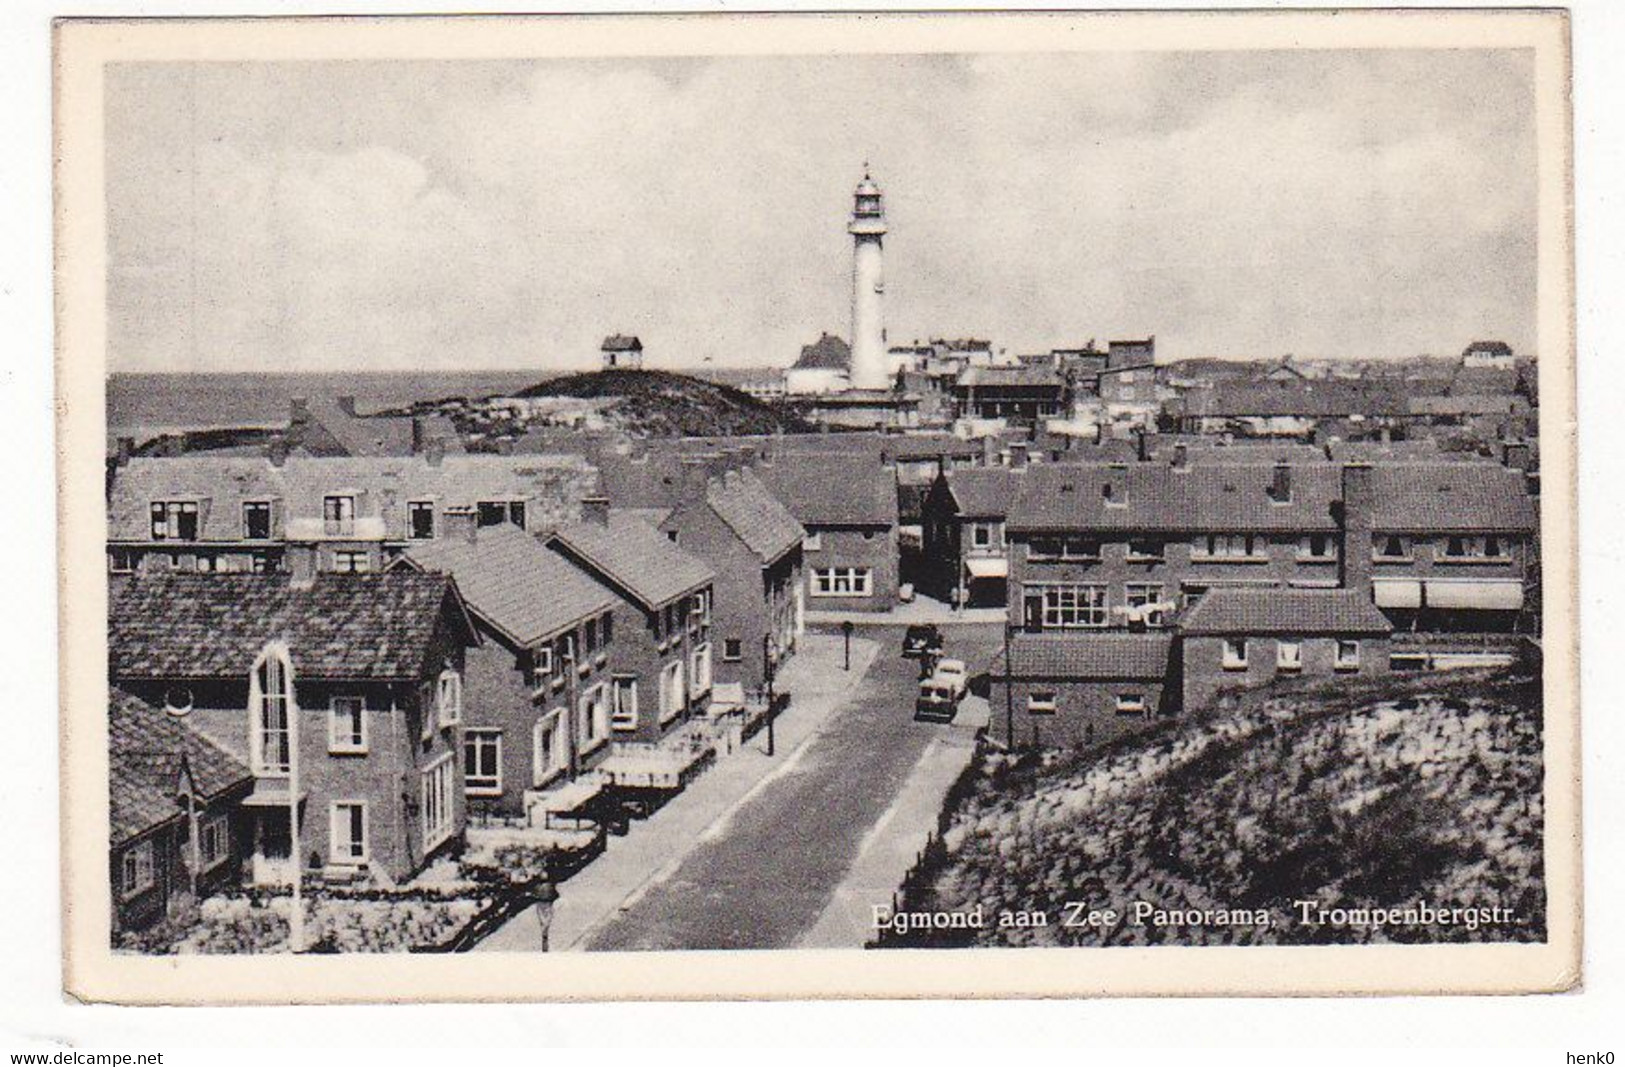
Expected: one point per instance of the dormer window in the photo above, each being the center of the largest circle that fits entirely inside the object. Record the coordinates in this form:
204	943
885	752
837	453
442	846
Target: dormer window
174	520
338	516
541	666
420	520
257	520
497	512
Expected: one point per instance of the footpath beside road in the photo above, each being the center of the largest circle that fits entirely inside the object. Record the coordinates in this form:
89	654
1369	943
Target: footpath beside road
896	841
654	847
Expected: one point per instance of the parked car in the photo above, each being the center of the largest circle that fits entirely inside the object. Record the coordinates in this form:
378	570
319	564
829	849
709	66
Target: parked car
938	700
955	673
921	639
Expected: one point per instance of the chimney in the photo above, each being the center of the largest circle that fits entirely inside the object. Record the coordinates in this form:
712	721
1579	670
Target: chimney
347	405
463	524
277	451
1355	520
418	435
1018	454
595	509
1515	454
1114	491
1182	456
1281	483
298	410
1142	442
302	564
434	452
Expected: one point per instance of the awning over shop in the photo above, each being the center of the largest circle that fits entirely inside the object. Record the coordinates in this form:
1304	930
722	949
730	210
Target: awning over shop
1396	592
988	567
1480	594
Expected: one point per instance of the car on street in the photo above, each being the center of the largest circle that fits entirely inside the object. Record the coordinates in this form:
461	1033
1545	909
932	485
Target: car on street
955	673
938	700
920	640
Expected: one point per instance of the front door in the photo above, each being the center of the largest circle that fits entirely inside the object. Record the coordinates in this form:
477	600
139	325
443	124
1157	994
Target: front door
272	846
1032	612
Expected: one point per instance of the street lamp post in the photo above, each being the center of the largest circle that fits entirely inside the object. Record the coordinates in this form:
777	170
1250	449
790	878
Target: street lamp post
846	634
767	679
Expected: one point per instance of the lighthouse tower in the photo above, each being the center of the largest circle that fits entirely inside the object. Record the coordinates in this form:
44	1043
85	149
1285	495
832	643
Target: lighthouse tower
868	229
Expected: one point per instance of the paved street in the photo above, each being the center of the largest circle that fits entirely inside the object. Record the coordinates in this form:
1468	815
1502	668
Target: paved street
766	877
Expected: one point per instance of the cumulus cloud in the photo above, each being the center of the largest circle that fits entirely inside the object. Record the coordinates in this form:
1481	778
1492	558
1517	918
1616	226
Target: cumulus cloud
509	215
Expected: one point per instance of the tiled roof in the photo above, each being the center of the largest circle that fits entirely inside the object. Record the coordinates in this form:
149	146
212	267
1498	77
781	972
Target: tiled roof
834	489
1484	381
1311	399
525	591
754	514
1025	377
1211	497
1437	497
1102	656
350	626
984	492
1284	611
828	352
147	748
635	556
551	485
331	431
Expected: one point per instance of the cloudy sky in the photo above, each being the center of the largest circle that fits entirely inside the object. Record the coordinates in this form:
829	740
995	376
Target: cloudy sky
446	215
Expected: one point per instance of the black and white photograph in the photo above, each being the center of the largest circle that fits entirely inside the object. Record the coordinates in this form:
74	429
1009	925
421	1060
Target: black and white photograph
1086	492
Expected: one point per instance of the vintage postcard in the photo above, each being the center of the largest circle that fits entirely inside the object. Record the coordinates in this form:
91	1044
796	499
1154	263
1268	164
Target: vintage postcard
934	505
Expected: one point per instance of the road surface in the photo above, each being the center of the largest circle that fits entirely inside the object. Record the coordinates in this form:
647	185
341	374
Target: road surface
767	876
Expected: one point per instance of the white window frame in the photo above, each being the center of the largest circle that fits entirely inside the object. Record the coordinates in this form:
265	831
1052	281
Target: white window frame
434	520
1234	654
275	665
172	511
1289	655
352	561
1341	662
213	840
349	857
341	742
1132	705
843	582
672	697
738	652
138	870
541	665
482	785
1230	547
1073	606
592	716
1042	701
700	668
1306	548
623	713
448	698
341	521
1148	593
549	760
437	784
270	518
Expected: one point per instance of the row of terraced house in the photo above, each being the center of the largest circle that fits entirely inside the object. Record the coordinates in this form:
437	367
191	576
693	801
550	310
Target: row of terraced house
427	641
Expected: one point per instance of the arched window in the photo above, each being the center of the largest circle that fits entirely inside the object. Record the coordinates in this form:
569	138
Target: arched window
270	710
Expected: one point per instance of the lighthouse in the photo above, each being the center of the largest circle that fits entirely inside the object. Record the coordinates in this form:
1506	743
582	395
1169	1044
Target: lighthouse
868	229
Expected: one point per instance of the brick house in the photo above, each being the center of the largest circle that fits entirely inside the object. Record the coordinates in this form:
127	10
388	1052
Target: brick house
664	642
549	646
1121	546
174	803
1061	690
847	502
1244	638
964	550
728	519
1453	546
241	513
357	677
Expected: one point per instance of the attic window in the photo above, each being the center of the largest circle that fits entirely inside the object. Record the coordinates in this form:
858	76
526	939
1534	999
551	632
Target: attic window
178	700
